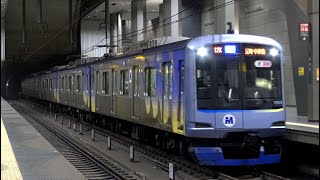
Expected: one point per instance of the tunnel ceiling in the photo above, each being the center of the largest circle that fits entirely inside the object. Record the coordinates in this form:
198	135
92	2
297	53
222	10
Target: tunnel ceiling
37	41
124	6
42	45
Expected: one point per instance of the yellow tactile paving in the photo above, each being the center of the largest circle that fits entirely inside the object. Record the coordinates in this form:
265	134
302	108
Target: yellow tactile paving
9	166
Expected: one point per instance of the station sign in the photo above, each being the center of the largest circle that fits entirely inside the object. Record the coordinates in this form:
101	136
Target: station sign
301	71
304	30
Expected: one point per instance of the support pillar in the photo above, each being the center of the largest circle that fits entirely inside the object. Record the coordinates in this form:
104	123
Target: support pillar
229	13
138	19
313	84
107	23
161	18
3	41
119	33
70	22
114	32
171	27
126	30
207	19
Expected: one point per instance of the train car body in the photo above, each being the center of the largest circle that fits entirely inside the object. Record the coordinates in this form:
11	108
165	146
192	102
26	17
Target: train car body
73	88
221	95
237	97
143	88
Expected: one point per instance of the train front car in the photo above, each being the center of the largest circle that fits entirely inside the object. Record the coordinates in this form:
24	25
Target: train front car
235	109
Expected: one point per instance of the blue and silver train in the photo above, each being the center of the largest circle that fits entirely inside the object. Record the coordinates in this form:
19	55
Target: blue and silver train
219	98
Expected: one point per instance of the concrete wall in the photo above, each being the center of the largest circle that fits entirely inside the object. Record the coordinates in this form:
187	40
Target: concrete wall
191	25
90	35
208	20
126	29
150	31
155	26
313	84
268	18
300	55
171	8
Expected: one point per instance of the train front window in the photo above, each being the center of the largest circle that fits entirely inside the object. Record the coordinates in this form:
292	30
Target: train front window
204	82
227	82
262	82
232	81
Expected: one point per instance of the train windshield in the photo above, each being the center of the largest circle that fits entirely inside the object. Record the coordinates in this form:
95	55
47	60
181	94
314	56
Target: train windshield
239	81
262	82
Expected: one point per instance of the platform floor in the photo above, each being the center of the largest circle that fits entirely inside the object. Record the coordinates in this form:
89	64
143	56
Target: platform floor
300	122
299	129
26	154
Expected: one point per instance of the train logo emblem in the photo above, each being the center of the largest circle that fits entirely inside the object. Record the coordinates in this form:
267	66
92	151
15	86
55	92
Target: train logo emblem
229	120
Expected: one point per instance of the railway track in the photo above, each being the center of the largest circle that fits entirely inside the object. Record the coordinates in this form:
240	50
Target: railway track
185	168
89	163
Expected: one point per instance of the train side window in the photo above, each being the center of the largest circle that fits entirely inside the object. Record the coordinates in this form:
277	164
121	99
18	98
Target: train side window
78	83
105	82
181	80
51	84
136	80
151	82
97	81
124	82
82	82
69	83
62	83
65	85
167	80
43	84
147	84
114	81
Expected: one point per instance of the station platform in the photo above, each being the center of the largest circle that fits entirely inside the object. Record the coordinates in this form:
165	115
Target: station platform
299	129
26	154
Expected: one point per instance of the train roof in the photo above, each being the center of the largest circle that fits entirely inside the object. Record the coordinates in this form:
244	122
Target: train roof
191	44
232	38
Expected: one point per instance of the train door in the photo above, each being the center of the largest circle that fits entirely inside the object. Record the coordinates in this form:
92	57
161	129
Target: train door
181	97
135	104
167	93
114	91
227	79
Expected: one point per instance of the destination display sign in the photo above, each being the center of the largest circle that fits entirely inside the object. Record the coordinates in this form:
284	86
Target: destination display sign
254	51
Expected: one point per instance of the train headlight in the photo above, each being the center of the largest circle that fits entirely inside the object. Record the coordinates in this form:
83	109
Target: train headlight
202	51
274	52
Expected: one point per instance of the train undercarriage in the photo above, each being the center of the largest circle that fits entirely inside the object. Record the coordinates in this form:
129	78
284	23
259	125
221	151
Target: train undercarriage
240	148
